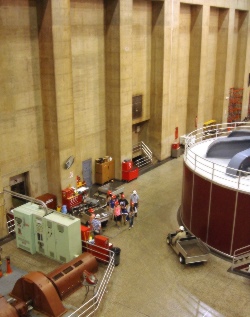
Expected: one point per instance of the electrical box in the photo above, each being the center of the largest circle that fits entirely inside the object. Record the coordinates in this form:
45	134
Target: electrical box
40	234
63	236
24	225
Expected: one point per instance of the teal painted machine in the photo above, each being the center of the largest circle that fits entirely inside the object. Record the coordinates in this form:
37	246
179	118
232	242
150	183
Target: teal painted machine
63	234
55	235
25	231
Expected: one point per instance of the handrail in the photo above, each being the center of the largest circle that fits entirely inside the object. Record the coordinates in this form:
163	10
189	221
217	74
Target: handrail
147	159
211	170
146	150
241	255
90	307
34	200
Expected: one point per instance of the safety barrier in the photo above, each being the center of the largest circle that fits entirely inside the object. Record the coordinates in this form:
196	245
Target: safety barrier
11	226
145	152
241	260
206	167
90	307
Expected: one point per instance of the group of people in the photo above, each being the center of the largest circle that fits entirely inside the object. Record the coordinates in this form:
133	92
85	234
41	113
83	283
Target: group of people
123	211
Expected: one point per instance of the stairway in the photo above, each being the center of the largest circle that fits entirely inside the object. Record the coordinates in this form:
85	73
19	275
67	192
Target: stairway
143	157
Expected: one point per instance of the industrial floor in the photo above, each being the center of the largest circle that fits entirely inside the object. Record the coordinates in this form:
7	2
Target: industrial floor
150	281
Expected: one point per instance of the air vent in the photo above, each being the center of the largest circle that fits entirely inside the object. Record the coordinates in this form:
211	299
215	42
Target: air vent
78	263
62	258
57	276
136	106
68	269
60	228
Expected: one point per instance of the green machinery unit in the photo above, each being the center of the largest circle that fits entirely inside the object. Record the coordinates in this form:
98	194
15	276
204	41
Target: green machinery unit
25	231
53	234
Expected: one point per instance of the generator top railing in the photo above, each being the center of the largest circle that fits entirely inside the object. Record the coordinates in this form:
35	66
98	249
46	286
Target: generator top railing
215	170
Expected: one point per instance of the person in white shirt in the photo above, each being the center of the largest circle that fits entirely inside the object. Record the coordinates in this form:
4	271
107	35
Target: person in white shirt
134	199
180	233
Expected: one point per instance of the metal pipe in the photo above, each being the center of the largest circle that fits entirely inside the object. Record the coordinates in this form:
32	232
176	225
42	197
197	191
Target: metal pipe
34	200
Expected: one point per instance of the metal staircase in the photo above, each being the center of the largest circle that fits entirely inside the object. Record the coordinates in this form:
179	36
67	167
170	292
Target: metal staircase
241	261
142	156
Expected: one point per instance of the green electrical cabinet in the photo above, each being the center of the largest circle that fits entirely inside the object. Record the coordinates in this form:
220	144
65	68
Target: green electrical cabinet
63	235
24	226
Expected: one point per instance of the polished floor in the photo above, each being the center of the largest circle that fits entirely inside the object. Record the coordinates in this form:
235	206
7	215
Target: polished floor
150	281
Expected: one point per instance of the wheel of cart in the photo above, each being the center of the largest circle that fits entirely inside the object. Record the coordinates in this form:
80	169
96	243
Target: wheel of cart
182	259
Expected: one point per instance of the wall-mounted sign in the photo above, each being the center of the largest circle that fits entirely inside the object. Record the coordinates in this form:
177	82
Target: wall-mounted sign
69	162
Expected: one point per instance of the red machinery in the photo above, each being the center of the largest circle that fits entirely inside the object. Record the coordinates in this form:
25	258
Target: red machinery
45	292
71	199
49	199
129	172
100	248
85	233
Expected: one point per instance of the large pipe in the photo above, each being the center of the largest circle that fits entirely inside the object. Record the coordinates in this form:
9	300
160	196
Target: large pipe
33	200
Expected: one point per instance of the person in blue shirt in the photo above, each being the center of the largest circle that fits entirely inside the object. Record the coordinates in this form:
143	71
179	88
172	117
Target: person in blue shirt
124	207
95	225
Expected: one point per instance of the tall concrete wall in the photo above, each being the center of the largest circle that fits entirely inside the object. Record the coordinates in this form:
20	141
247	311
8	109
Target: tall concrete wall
21	117
88	72
69	70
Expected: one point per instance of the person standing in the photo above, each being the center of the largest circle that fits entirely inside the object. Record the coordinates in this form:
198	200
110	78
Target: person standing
134	199
131	215
117	214
112	205
124	208
95	224
108	198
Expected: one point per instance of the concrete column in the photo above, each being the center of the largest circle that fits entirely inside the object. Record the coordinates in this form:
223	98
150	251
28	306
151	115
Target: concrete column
229	61
157	75
242	59
194	68
163	114
220	92
118	57
170	114
57	91
2	211
202	15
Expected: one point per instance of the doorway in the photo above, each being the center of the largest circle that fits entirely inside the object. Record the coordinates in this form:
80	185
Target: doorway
19	184
87	172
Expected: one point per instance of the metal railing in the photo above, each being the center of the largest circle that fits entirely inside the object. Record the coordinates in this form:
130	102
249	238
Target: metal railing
208	168
90	306
241	259
147	155
103	254
11	226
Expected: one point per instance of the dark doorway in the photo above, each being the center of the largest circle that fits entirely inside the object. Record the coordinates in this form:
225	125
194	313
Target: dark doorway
19	184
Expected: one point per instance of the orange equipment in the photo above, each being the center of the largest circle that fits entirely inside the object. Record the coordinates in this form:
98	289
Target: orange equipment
8	268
